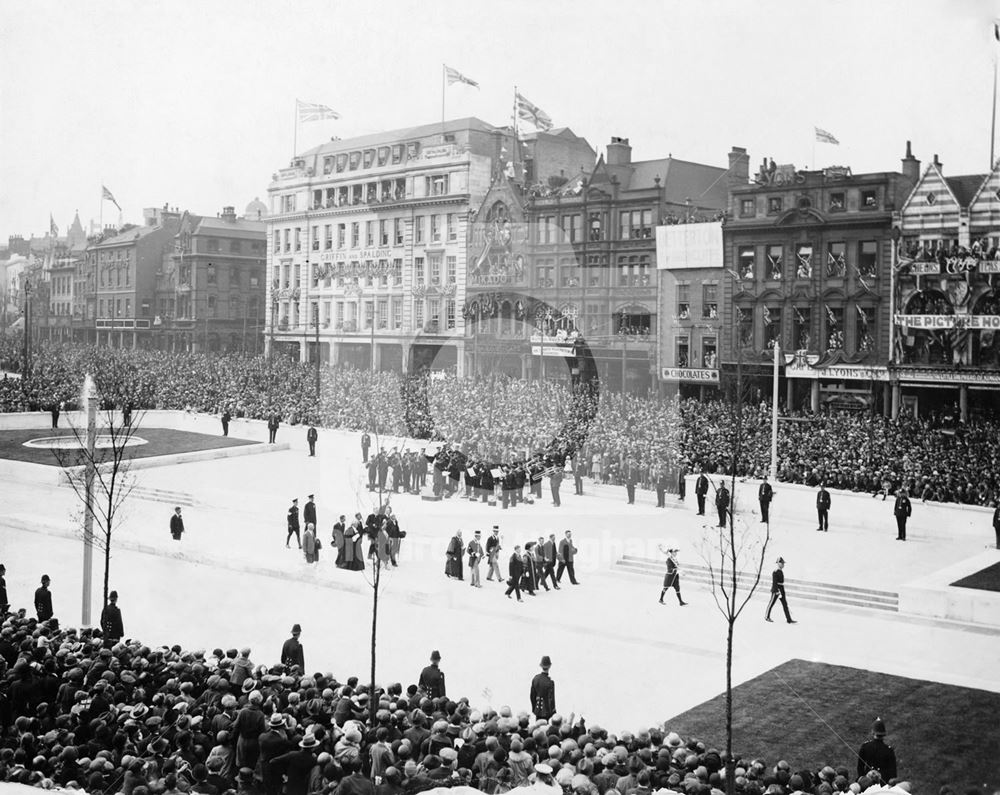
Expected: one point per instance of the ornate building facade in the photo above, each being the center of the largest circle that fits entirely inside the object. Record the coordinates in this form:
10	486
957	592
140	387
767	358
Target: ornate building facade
807	260
946	336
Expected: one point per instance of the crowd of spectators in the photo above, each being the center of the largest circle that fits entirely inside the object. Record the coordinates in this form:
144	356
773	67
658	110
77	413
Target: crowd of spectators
82	712
500	419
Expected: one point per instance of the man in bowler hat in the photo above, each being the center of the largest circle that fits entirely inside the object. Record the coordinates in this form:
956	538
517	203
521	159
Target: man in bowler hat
543	692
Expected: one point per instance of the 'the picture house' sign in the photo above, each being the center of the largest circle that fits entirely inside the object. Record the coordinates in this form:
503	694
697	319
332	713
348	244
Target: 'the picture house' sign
991	322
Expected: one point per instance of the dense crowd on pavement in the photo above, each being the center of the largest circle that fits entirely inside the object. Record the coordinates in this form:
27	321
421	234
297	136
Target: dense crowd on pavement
612	438
87	710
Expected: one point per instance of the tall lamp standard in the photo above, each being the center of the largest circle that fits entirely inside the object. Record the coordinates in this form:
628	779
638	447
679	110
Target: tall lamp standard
90	408
27	329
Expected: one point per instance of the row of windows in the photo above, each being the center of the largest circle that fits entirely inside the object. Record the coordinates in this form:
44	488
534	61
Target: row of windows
709	301
632	225
368	158
435	269
708	357
830	323
429	314
385	232
836	201
375	192
61	285
862	260
632	271
212	275
166	307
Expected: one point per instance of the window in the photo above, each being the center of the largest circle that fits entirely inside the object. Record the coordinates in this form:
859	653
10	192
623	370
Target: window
683	301
544	274
383	273
774	205
298	238
747	262
341	235
118	307
710	301
288	203
210	274
571	227
744	326
297	270
868	258
435	229
288	240
315	275
317	199
397	272
869	199
803	261
451	273
772	327
776	263
369	314
277	241
338	314
435	263
548	231
254	281
382	315
343	196
449	313
836	260
369	233
418	270
449	225
328	236
418	312
315	238
397	312
865	330
635	224
834	328
434	313
331	197
234	247
418	229
355	233
746	208
383	232
596	226
100	307
128	305
397	231
569	273
709	352
437	185
837	202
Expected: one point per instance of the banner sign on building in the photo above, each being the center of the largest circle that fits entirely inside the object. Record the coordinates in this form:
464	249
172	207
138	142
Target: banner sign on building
948	376
689	246
689	374
552	350
991	322
837	372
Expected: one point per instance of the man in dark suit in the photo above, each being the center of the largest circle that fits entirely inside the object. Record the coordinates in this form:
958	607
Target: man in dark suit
566	554
579	470
453	564
876	754
902	510
226	417
722	502
778	592
432	678
764	496
996	521
542	695
272	427
515	569
273	743
555	481
111	621
682	483
366	442
659	475
701	491
176	524
43	600
293	524
631	478
549	557
311	436
823	508
4	604
309	512
292	652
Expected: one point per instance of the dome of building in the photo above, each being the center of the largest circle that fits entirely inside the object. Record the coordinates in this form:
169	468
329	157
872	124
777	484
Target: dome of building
256	210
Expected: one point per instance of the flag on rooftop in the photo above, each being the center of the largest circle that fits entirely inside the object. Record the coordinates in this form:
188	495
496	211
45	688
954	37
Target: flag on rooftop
107	195
529	111
825	137
53	229
312	111
454	76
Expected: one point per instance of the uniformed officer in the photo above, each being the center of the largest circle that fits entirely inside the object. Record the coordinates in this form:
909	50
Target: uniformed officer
902	510
778	592
432	678
722	502
293	524
543	692
672	579
764	496
877	755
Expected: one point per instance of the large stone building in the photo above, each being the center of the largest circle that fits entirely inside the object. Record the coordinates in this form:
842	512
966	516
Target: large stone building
807	260
946	338
367	246
566	266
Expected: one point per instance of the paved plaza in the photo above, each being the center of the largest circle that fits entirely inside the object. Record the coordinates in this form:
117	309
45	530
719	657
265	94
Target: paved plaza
619	658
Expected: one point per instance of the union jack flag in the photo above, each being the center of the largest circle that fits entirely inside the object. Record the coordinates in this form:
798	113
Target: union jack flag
529	111
311	111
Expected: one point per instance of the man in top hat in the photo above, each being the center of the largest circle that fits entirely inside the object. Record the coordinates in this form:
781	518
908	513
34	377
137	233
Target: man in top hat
493	547
432	678
764	496
292	652
543	692
823	508
293	524
111	621
778	592
43	600
701	491
902	511
876	754
475	551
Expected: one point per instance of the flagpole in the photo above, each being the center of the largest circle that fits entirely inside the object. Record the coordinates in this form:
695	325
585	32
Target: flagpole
295	135
442	97
100	214
993	116
516	139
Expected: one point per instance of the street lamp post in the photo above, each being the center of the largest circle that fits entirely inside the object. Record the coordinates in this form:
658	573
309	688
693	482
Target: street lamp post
27	328
90	408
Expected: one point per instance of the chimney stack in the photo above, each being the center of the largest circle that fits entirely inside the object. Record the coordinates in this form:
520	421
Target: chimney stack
739	166
911	166
229	215
619	152
938	164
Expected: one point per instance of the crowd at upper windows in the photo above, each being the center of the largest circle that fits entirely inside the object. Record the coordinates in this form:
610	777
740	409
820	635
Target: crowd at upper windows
839	261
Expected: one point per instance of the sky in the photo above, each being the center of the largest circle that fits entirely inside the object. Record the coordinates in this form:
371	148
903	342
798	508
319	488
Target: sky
192	104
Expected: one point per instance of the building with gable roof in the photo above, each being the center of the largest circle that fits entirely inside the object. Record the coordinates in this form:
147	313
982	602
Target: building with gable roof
946	292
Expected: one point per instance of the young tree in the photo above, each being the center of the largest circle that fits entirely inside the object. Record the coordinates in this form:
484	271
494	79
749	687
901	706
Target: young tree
734	555
101	476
